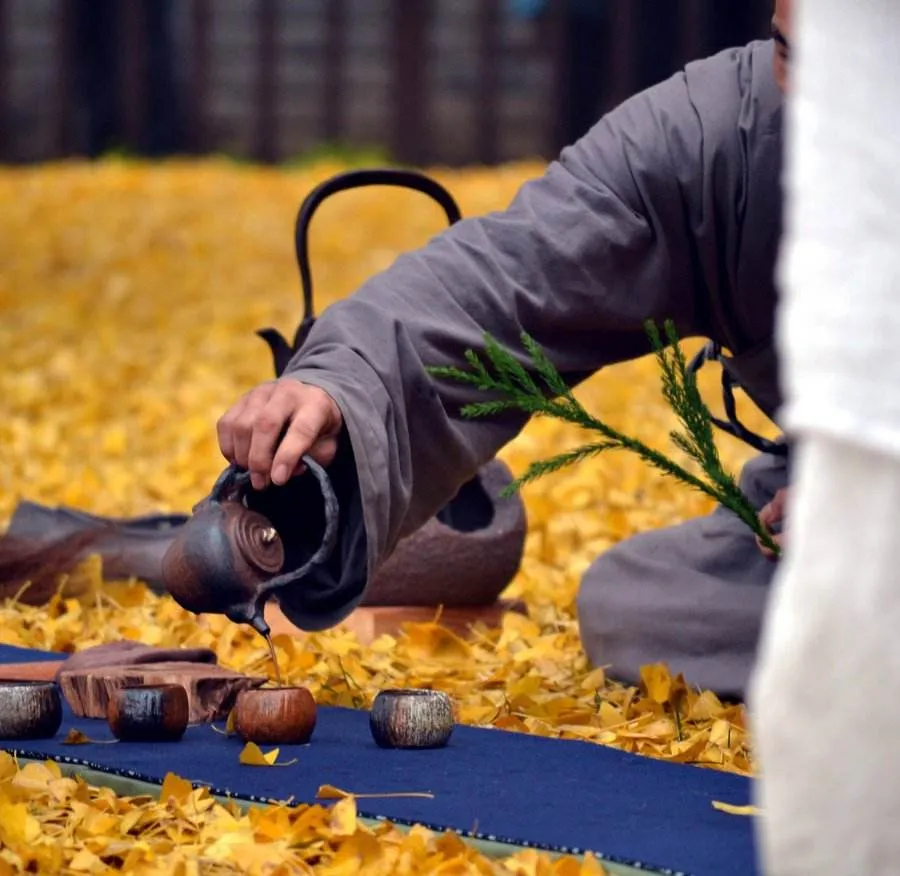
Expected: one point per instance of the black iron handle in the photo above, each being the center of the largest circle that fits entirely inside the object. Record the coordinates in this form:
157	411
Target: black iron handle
355	179
282	351
234	481
733	426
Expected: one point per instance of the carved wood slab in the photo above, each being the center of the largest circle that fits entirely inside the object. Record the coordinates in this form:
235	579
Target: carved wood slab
211	689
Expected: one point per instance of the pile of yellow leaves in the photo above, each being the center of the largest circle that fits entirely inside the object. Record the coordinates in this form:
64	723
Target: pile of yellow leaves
129	298
50	823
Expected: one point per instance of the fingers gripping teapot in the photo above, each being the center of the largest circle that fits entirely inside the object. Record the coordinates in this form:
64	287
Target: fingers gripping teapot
228	559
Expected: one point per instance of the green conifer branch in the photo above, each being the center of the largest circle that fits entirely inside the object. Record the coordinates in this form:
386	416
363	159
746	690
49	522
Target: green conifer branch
519	389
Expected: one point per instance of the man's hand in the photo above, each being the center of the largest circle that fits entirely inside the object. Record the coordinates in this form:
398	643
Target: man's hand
272	426
773	515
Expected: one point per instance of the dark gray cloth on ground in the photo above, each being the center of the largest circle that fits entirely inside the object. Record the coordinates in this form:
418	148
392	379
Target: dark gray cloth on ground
691	595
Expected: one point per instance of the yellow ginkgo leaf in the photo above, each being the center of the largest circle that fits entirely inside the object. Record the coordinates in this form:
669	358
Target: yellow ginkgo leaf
330	792
76	737
175	788
657	681
8	766
252	755
731	809
17	825
431	640
85	861
229	726
343	817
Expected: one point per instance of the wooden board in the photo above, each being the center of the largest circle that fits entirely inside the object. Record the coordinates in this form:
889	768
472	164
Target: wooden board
43	671
211	689
370	622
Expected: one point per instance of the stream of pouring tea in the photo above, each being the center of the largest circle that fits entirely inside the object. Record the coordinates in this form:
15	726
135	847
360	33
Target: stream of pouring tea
274	659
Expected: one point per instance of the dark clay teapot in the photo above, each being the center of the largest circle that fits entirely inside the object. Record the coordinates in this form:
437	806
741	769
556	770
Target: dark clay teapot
226	559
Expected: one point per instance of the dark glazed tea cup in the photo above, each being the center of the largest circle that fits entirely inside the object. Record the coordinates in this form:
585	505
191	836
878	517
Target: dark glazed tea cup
152	713
411	719
29	710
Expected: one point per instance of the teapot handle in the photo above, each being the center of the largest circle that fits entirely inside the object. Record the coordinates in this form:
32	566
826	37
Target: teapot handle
233	482
229	486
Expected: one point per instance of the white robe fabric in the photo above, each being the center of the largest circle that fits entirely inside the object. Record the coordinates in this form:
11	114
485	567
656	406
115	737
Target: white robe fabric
824	699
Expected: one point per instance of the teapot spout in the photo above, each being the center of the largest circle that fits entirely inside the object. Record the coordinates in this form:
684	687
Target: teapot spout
252	616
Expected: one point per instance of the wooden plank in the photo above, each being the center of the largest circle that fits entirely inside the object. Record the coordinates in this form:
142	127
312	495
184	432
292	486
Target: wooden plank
133	103
487	95
625	54
42	671
63	60
333	56
761	20
694	39
557	48
410	33
5	101
738	23
198	89
266	94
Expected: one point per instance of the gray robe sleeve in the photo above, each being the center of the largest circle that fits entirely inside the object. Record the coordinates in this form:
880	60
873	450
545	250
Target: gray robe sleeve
606	239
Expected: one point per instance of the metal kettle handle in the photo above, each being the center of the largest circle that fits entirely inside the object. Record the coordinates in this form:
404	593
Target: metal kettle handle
232	485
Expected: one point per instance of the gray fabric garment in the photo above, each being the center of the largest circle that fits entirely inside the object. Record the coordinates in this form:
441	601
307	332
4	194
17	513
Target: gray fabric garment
669	208
691	595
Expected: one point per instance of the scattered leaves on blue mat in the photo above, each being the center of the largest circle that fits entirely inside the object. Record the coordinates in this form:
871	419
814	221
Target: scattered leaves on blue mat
53	824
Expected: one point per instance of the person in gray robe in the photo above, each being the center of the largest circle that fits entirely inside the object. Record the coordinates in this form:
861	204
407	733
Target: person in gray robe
669	208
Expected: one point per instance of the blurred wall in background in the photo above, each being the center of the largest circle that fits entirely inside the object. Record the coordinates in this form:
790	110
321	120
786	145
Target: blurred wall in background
421	81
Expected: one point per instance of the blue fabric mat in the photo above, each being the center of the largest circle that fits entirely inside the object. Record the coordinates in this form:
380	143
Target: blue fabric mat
565	796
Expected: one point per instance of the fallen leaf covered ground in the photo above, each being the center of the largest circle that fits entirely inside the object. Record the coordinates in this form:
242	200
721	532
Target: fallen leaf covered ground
50	823
129	298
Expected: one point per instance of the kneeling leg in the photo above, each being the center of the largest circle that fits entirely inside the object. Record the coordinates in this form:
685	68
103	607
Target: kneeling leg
691	596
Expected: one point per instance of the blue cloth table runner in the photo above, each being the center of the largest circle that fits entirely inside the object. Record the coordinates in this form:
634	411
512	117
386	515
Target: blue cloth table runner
550	794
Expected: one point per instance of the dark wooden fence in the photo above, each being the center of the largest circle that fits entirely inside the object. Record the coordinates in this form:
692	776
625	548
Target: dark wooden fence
429	81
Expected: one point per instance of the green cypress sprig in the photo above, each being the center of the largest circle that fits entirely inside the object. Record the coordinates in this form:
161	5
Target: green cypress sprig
544	393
